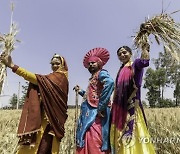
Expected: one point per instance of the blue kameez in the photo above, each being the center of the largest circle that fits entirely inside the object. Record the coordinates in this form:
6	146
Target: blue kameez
89	113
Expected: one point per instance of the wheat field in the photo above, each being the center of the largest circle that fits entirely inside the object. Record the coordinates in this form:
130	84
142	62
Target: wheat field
163	124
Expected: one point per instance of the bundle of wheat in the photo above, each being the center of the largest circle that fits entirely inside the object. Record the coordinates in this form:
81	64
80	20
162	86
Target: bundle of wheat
165	30
7	45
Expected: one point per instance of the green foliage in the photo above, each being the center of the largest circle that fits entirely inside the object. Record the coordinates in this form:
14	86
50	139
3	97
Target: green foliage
177	93
175	80
24	91
151	85
166	74
13	101
165	103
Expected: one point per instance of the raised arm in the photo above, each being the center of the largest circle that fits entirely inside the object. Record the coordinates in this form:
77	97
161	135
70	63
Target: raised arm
31	77
7	60
144	60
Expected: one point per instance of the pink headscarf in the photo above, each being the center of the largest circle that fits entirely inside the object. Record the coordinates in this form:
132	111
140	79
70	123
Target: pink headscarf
99	55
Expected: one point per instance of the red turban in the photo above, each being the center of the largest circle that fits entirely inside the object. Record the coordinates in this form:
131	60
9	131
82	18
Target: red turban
99	55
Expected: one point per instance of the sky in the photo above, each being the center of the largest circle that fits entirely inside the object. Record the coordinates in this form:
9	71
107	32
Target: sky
71	28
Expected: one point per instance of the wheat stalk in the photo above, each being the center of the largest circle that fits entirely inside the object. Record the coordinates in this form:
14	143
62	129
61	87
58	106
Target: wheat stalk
165	30
7	45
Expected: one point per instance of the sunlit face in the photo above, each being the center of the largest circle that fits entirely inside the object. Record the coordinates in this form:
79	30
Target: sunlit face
124	55
55	64
93	67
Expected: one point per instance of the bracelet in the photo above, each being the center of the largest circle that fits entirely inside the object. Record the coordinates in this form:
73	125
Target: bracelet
14	68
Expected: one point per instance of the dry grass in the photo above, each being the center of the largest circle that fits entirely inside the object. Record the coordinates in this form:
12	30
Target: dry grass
162	123
8	127
165	124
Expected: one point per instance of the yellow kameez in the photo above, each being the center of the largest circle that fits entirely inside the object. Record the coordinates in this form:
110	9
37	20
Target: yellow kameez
26	149
141	142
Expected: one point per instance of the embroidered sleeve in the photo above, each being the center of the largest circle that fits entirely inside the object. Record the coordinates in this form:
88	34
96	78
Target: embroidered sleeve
141	63
108	87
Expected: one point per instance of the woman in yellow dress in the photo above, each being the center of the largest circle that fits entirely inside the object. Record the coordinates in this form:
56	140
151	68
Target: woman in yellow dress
44	113
128	126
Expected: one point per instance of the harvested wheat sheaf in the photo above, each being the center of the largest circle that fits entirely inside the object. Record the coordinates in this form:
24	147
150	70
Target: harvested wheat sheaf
163	124
7	45
166	32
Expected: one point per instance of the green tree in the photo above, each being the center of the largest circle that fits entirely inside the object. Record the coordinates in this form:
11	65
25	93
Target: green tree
24	92
166	103
177	93
173	73
163	66
13	101
151	85
161	81
175	78
166	74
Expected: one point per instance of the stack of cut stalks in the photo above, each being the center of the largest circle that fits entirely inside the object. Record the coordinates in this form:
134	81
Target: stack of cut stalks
166	32
7	45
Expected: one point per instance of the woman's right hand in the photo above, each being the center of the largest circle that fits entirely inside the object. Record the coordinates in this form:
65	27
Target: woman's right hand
6	60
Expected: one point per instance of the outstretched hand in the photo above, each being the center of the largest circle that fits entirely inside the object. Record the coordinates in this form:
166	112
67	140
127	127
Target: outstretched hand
6	60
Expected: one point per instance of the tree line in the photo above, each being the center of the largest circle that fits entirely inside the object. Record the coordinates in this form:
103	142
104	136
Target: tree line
165	75
14	99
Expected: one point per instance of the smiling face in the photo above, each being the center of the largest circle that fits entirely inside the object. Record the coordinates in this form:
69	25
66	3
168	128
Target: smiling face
124	55
55	64
93	67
